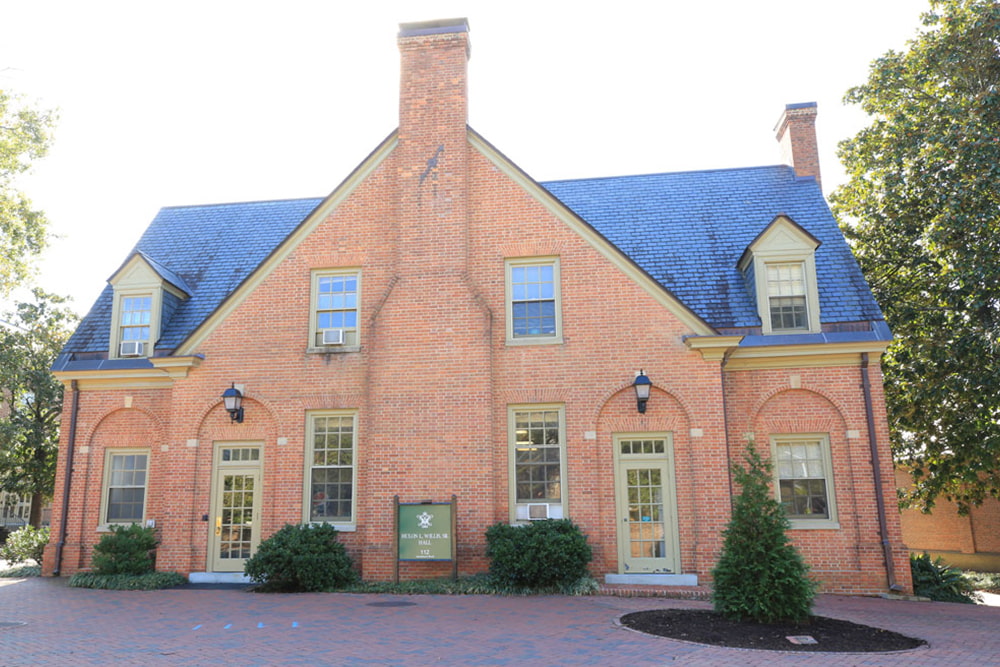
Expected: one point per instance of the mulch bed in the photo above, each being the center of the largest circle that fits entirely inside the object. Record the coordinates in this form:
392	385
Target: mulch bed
708	627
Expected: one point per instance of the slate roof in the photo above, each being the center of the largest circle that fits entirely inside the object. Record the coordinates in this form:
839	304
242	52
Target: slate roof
686	230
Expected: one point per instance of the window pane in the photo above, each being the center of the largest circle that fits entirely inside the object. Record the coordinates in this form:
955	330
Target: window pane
332	473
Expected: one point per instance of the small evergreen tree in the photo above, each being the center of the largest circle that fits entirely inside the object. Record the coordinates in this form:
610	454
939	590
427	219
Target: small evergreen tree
760	575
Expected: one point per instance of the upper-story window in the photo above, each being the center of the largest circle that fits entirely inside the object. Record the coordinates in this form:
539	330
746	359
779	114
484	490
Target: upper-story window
335	310
136	316
787	299
533	308
780	269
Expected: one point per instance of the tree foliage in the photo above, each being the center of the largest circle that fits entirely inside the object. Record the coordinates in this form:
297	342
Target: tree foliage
922	210
760	575
24	138
30	339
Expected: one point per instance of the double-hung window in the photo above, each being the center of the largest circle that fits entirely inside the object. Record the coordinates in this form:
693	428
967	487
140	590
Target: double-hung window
533	301
804	480
135	320
335	309
331	442
538	462
125	479
786	296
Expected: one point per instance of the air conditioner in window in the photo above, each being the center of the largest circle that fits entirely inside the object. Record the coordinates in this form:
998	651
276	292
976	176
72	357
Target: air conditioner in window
333	337
131	348
538	511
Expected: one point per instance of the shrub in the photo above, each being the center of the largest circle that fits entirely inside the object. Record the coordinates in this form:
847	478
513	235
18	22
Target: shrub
301	558
760	575
150	581
937	581
543	554
125	550
25	543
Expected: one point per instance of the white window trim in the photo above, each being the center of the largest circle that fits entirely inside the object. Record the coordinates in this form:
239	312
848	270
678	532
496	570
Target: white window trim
103	524
316	274
560	509
557	337
830	523
342	526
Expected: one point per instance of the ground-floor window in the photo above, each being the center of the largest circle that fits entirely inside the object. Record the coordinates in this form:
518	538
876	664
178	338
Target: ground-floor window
331	441
125	480
804	479
538	461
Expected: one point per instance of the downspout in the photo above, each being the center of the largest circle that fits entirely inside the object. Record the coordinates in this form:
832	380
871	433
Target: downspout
890	569
70	447
725	425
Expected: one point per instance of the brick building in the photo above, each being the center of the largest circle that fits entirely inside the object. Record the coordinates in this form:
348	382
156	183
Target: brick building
441	324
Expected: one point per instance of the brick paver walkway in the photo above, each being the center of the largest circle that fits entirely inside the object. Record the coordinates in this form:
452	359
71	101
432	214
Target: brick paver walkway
64	626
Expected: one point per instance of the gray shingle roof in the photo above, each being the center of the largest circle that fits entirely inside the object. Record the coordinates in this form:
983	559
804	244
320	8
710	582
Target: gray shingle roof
686	230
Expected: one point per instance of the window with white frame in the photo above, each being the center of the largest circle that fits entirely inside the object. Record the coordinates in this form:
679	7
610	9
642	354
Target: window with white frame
335	309
538	462
331	441
533	301
786	296
135	321
804	479
125	482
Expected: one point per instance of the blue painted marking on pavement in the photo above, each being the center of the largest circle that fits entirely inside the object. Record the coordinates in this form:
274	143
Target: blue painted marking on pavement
227	626
260	625
295	624
197	627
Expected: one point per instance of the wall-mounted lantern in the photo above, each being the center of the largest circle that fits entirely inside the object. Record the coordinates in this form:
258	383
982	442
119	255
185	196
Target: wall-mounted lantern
232	398
642	386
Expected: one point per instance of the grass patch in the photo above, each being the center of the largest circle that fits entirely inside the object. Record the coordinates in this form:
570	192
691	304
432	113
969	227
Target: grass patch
21	571
127	582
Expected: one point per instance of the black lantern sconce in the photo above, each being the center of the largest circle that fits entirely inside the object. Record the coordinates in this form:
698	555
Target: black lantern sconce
232	398
642	386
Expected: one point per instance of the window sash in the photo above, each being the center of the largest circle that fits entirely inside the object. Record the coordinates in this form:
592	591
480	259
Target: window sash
538	456
336	305
533	300
331	458
786	294
803	480
136	318
126	487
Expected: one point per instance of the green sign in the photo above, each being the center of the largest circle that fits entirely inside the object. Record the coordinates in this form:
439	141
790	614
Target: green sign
425	531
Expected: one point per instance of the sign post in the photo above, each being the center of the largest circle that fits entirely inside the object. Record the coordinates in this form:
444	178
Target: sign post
426	532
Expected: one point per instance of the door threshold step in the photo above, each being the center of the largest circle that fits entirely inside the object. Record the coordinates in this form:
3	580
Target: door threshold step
652	579
218	578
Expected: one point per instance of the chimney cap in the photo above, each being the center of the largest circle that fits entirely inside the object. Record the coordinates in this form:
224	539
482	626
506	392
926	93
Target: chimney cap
435	27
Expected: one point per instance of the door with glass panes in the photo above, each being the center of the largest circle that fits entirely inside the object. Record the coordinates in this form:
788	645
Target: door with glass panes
236	499
646	505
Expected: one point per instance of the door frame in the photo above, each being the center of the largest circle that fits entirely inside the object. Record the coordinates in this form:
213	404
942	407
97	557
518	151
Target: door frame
671	561
220	468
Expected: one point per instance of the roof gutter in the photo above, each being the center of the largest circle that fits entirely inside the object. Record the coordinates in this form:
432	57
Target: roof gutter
70	447
866	386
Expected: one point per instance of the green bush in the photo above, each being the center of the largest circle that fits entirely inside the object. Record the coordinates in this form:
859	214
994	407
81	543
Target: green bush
543	554
125	550
151	581
937	581
301	558
25	543
760	575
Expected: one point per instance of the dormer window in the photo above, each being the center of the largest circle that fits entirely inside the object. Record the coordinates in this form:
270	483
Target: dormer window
780	269
146	295
136	316
787	301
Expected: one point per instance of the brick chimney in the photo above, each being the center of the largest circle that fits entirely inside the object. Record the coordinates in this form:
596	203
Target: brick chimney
796	134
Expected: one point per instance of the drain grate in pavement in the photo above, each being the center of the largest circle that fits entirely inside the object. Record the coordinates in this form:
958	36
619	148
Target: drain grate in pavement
392	603
11	624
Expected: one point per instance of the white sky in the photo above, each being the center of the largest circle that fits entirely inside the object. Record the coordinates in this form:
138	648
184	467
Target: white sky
196	102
